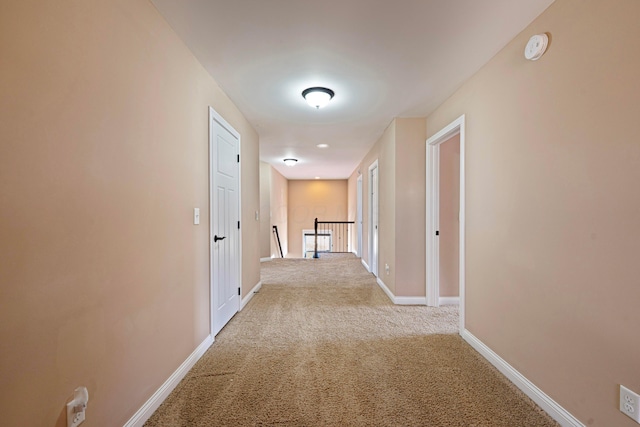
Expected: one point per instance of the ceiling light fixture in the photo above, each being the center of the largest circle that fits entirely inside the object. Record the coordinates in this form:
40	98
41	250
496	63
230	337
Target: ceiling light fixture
290	162
317	96
322	145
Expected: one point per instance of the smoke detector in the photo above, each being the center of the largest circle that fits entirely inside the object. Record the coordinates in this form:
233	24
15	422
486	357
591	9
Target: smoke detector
536	47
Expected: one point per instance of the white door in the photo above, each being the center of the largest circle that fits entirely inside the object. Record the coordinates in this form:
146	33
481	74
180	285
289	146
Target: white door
359	215
224	143
373	218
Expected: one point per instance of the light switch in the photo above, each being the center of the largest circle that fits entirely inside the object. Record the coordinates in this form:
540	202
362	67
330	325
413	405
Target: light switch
257	216
196	216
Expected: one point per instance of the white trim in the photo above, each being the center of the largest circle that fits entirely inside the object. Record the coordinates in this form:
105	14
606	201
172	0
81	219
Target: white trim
386	290
365	264
400	300
550	406
370	188
359	206
265	259
432	208
449	300
250	295
410	300
150	406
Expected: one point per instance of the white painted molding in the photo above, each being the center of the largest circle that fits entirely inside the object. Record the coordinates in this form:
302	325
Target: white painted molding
401	300
265	259
386	290
150	406
364	264
250	295
449	300
374	256
556	411
410	300
432	210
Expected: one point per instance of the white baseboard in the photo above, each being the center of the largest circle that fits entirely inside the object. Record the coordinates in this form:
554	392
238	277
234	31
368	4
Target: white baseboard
449	300
365	265
410	300
386	290
266	259
250	295
401	300
556	411
149	407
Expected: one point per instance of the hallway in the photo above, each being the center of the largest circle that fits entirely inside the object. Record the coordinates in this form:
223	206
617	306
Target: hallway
321	344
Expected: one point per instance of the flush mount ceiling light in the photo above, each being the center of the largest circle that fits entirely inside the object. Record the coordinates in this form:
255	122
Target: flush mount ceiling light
322	145
317	96
290	162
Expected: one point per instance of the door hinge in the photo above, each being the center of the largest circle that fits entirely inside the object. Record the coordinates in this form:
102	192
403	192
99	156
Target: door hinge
437	233
238	225
238	291
238	158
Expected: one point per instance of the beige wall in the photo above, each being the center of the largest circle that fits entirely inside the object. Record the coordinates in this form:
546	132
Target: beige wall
279	212
401	170
352	208
307	200
384	152
552	166
449	239
103	276
265	210
410	187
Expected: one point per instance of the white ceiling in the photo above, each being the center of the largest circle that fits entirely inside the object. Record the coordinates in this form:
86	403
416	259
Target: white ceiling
383	59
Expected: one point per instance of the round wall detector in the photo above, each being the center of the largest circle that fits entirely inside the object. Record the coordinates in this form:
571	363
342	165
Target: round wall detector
536	47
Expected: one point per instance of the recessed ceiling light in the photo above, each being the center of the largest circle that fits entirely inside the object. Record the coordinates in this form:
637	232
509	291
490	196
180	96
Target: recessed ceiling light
322	145
317	96
290	162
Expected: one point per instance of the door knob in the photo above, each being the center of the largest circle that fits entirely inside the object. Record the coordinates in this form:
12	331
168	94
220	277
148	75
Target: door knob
216	238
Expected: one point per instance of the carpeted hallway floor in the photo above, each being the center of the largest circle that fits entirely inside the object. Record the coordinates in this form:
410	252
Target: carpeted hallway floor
322	345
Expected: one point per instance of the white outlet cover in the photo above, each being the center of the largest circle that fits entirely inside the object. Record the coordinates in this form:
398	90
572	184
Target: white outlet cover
196	216
76	408
630	403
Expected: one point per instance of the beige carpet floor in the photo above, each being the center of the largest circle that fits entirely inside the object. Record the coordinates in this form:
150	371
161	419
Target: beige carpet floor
322	345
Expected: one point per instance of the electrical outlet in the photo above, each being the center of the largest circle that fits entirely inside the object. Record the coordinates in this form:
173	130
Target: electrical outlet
630	403
76	408
75	418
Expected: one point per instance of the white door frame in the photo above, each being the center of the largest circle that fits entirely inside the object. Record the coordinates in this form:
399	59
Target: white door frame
373	263
433	211
359	215
214	116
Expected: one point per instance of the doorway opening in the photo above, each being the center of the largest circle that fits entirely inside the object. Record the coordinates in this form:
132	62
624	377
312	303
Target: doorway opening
359	216
435	240
373	218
